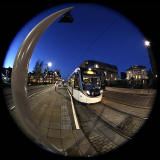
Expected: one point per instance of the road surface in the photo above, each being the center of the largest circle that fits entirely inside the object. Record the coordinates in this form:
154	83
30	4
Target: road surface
78	129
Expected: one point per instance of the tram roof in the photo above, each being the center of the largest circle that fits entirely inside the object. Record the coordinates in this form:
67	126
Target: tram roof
136	67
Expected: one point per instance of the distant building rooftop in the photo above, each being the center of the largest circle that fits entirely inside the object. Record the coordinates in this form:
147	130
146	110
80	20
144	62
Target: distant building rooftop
136	67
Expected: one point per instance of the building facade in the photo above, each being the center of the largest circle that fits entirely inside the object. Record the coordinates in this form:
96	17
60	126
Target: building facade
49	77
137	73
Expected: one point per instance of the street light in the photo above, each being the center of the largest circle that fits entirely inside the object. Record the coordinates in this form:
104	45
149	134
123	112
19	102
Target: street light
19	81
147	43
49	64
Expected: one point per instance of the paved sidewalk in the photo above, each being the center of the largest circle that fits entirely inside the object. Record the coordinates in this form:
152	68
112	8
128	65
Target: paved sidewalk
52	113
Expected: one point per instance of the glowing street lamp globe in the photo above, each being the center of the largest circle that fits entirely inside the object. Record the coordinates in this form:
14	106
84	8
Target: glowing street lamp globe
147	43
49	64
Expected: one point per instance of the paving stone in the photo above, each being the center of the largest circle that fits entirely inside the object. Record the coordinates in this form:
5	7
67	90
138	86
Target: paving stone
48	114
44	131
78	133
54	133
54	125
66	125
66	134
68	143
46	118
44	123
75	151
55	117
65	118
56	141
55	109
37	114
80	138
87	149
37	121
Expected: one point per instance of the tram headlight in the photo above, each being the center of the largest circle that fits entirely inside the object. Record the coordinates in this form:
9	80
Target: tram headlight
88	92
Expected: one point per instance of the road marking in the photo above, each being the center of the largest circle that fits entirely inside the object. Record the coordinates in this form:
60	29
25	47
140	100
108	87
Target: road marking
74	113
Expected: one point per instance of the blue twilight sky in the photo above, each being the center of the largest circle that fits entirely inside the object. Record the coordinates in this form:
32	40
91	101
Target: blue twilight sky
97	33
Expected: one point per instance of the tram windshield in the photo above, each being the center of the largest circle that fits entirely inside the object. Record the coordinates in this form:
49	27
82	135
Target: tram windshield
90	82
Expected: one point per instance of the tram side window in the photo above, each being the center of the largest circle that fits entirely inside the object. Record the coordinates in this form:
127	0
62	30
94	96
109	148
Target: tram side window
76	82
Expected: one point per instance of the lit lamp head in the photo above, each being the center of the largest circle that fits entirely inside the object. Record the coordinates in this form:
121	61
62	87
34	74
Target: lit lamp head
49	64
147	43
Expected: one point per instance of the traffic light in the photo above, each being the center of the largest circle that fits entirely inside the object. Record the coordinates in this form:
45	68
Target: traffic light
67	18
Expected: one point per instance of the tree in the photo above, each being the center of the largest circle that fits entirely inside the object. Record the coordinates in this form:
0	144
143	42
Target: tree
38	68
45	72
123	75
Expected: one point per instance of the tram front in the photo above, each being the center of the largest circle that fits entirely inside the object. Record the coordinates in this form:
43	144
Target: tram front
91	86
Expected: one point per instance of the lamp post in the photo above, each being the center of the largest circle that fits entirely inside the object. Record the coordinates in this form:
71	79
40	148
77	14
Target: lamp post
49	64
147	43
153	79
19	80
151	56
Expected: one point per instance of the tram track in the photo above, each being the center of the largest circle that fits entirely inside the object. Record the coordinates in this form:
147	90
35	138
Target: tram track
98	134
127	127
118	127
120	111
113	127
102	135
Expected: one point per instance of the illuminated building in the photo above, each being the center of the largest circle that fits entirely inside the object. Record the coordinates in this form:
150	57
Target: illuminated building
136	73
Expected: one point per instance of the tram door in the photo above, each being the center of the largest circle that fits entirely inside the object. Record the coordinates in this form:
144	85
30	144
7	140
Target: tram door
76	90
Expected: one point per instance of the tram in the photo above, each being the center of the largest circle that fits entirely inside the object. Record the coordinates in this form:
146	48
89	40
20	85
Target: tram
85	86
